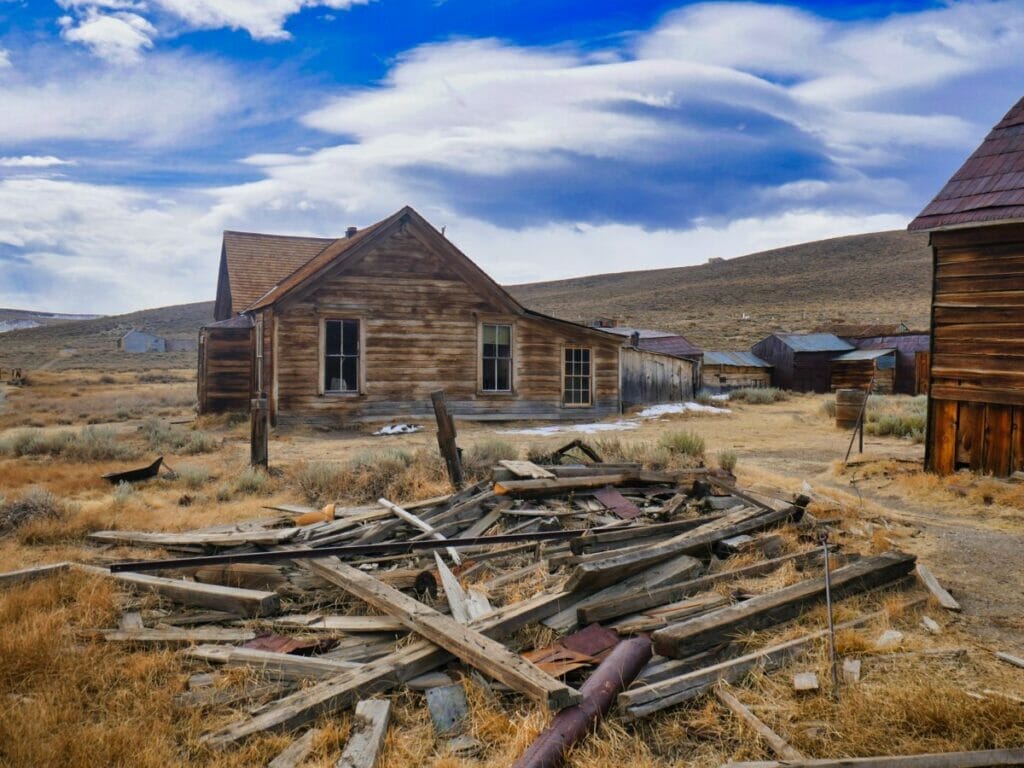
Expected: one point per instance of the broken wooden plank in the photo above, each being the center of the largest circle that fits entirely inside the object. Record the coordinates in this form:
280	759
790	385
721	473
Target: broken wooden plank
380	675
245	602
25	575
269	537
602	609
475	649
295	754
1009	658
348	624
983	759
851	671
526	469
776	743
567	484
177	636
805	681
925	575
457	598
280	666
367	738
716	627
645	700
131	620
416	522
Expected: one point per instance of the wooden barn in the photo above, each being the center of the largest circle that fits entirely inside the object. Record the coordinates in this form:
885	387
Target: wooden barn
726	371
801	362
976	375
865	369
368	325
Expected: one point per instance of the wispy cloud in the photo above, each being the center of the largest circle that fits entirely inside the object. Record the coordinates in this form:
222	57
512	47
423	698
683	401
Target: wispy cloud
33	161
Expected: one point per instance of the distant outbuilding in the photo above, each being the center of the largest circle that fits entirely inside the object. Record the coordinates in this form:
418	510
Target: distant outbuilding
976	374
726	371
140	341
801	361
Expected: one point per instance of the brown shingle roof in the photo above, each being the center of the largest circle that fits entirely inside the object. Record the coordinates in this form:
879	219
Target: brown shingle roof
989	186
256	263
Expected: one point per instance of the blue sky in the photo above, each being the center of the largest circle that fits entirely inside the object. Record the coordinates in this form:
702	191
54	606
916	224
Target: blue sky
551	139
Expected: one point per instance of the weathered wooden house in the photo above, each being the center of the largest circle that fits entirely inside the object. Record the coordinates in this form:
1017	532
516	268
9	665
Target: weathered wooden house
140	341
912	348
726	371
368	325
660	343
865	369
801	362
976	375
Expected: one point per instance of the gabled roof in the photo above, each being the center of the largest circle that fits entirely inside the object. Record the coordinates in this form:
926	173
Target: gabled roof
870	331
254	263
814	342
746	359
989	186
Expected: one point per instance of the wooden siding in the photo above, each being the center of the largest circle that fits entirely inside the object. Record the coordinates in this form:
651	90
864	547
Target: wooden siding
976	377
224	381
723	378
772	350
649	377
908	347
859	374
420	321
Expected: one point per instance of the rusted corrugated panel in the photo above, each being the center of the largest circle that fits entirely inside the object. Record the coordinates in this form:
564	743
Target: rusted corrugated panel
989	185
617	503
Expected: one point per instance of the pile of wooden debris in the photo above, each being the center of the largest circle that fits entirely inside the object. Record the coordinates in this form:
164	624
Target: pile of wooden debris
644	582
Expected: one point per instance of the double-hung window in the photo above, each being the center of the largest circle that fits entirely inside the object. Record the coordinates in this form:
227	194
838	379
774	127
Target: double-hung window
577	376
341	356
496	357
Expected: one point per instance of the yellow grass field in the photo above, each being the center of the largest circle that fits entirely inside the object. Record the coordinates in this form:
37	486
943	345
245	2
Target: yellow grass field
71	700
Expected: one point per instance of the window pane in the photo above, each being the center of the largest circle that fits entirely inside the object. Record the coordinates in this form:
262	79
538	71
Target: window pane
490	332
349	369
504	336
489	379
503	377
332	374
332	343
489	350
351	337
504	350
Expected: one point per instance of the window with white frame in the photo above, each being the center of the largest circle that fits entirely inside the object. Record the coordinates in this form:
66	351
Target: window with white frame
341	356
576	379
496	357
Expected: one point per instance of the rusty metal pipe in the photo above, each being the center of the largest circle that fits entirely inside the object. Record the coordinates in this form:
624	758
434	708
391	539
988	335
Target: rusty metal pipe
570	725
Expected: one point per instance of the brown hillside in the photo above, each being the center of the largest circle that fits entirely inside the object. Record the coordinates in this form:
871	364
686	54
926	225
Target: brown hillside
883	277
93	343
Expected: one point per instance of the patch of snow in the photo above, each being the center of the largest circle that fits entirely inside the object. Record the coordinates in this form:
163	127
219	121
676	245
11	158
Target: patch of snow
722	398
398	429
665	409
16	325
652	412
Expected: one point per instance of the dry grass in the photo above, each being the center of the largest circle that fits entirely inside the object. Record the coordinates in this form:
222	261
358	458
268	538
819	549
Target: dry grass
369	475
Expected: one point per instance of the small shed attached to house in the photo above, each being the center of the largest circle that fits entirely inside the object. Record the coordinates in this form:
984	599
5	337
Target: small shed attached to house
865	369
140	341
801	362
224	380
660	343
976	373
726	371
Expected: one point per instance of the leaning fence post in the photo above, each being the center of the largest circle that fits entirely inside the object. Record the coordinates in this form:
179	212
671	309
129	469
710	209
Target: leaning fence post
258	451
446	439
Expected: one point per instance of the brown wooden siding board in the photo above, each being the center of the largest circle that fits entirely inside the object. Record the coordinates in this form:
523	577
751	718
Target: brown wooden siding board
996	445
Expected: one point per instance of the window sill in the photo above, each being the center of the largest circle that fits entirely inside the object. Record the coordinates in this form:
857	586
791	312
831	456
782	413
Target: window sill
341	394
496	393
577	405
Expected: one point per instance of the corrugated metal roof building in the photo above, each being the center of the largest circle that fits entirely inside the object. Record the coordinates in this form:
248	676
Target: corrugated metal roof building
864	369
801	361
726	371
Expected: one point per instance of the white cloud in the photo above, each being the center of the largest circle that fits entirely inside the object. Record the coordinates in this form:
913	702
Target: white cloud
33	161
5	58
262	19
165	100
118	38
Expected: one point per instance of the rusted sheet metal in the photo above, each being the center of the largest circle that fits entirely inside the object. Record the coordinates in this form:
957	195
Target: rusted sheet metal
617	503
585	648
570	725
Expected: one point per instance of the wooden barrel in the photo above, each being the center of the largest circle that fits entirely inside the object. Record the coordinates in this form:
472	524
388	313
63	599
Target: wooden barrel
848	405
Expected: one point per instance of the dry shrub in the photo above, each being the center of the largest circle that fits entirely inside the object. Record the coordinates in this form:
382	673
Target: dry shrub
161	436
391	473
193	476
682	441
481	457
252	480
36	504
90	444
73	526
758	395
727	460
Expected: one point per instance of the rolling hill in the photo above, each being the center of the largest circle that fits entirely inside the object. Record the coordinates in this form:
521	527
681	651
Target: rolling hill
883	277
93	343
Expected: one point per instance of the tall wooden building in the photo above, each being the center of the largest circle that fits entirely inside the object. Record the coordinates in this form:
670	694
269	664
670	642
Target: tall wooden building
976	377
368	325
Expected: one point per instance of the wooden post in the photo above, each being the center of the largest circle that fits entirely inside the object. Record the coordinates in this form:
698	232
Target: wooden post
260	432
446	439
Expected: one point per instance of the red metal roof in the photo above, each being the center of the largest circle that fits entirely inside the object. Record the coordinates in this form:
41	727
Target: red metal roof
989	186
